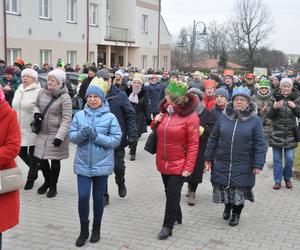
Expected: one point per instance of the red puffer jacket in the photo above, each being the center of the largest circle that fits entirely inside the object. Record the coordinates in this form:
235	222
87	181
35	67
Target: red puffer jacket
178	138
10	141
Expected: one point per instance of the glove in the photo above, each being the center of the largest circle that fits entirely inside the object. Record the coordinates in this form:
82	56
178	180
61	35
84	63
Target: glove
57	142
86	131
148	121
93	135
37	116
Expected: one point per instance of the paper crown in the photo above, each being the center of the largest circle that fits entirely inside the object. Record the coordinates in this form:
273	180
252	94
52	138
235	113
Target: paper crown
249	76
244	91
264	84
101	83
177	88
209	84
228	72
138	77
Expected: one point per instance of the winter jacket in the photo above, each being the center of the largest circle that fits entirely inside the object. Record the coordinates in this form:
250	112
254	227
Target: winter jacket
208	101
95	158
24	102
55	124
178	138
283	121
236	146
82	90
14	84
10	140
141	109
154	90
214	115
120	106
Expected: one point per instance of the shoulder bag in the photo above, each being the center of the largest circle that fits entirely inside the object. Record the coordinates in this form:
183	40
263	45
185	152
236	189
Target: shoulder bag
151	143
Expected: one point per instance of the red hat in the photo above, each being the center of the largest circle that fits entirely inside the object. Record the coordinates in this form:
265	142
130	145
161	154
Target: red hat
249	76
9	70
228	72
20	61
209	84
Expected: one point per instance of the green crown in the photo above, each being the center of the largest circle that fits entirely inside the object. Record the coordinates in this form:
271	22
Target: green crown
264	84
177	88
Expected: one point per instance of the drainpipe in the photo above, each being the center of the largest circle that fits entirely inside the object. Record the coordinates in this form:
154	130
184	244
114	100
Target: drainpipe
87	29
158	37
5	32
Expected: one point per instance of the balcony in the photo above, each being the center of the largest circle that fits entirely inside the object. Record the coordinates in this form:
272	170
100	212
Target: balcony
117	34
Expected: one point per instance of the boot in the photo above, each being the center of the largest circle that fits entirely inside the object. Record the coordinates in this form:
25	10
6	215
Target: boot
29	184
191	199
84	234
164	233
132	157
106	199
53	180
188	191
43	189
227	211
234	221
95	232
44	165
52	192
122	190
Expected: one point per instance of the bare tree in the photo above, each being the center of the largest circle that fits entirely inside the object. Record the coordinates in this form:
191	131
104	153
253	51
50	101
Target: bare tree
264	57
250	28
216	40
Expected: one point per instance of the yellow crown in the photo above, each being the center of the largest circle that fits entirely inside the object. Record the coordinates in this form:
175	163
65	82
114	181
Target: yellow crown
101	83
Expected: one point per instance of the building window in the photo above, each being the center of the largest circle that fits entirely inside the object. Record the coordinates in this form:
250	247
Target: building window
154	62
45	56
145	23
144	62
44	8
71	58
71	11
12	54
13	6
92	56
93	14
165	62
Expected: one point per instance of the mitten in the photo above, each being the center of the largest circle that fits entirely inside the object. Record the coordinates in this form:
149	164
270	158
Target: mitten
57	142
86	131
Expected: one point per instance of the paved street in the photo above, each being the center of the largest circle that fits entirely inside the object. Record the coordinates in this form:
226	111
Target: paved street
272	222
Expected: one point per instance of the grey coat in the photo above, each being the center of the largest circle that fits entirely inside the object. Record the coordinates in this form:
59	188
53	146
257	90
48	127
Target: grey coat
55	124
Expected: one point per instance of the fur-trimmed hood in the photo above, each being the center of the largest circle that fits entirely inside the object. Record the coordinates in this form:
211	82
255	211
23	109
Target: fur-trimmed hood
184	109
240	115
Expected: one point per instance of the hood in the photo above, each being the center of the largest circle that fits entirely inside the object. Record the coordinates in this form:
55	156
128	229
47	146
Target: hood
240	115
184	109
4	110
97	112
263	97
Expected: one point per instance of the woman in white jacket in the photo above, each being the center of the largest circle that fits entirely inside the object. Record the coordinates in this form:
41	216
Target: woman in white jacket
23	102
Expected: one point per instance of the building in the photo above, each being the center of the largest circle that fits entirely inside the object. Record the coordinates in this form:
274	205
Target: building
292	59
111	32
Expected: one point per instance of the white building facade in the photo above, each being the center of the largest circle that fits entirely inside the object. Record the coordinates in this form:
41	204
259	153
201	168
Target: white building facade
111	32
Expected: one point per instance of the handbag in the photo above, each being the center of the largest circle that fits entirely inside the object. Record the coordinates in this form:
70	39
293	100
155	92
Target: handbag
37	123
297	130
10	180
151	143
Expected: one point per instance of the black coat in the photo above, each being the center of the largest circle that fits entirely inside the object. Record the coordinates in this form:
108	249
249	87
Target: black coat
121	107
141	109
214	115
154	90
237	146
82	90
283	121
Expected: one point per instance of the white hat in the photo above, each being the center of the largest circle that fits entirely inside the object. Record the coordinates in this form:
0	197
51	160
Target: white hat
286	81
59	75
120	73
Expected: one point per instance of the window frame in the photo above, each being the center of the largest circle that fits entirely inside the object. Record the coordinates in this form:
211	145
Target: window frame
42	56
9	5
10	55
94	9
144	62
145	22
69	20
42	15
70	54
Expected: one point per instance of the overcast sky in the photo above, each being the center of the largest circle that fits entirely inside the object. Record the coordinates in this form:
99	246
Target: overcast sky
285	15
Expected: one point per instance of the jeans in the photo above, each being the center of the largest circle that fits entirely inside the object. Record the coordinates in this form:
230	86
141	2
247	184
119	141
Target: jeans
173	185
278	169
84	192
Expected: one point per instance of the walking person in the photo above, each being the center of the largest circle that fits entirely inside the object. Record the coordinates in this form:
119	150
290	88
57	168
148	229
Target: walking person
96	132
197	175
177	127
52	142
284	107
236	148
139	99
10	141
24	102
154	90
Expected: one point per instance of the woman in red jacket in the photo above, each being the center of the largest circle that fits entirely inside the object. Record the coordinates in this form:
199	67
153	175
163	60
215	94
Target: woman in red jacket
177	147
10	142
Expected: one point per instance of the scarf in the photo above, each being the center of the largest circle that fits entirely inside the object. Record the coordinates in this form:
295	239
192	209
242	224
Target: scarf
133	97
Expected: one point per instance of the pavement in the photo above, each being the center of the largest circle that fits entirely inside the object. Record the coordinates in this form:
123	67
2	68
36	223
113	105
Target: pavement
133	222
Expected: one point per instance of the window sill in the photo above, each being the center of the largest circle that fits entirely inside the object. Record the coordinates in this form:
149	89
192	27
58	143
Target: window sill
71	22
13	13
45	18
145	32
94	25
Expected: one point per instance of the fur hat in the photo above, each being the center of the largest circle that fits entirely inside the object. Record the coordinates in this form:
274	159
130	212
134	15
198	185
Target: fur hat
30	73
223	92
286	81
59	75
94	89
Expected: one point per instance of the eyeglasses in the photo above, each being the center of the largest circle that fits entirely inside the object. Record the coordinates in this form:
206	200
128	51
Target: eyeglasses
240	99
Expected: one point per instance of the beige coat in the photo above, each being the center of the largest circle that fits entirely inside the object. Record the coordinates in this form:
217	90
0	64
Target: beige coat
24	102
55	124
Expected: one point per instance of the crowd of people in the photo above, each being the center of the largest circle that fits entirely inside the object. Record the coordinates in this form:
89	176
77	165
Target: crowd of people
220	123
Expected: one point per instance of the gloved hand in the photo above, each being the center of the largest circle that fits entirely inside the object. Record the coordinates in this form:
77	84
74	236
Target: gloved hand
148	121
93	135
57	142
86	131
37	116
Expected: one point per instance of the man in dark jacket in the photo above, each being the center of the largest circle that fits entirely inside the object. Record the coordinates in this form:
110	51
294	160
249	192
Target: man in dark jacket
85	84
120	106
2	67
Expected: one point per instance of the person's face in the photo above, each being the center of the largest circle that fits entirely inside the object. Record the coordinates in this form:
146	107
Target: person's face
250	81
286	89
118	77
228	80
197	77
94	101
2	65
173	78
275	82
91	74
136	84
264	91
240	102
8	77
27	80
210	91
53	84
153	80
220	100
